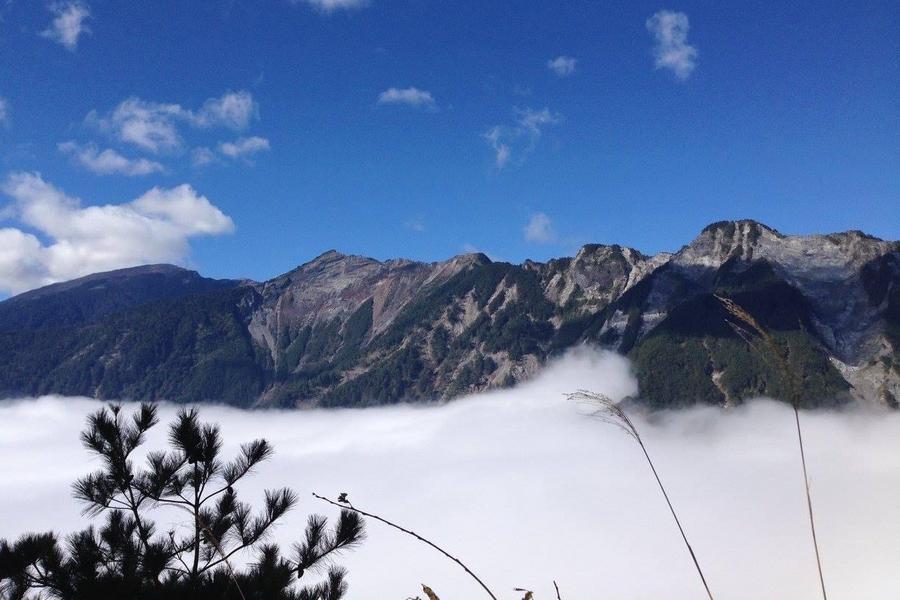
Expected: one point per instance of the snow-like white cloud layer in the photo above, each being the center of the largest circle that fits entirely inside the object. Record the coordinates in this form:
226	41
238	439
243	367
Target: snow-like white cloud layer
526	488
77	240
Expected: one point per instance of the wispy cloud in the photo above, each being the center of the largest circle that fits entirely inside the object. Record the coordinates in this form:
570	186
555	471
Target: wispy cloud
416	224
201	157
518	140
562	66
68	23
411	96
539	229
108	161
4	111
329	6
672	51
244	147
154	126
156	227
233	110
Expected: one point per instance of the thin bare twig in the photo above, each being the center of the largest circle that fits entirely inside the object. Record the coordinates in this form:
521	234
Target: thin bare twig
791	380
346	505
610	412
558	597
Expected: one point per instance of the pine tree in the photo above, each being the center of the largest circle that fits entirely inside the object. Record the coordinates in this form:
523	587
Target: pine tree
127	557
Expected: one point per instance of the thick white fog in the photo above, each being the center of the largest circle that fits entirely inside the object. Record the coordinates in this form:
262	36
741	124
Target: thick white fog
525	488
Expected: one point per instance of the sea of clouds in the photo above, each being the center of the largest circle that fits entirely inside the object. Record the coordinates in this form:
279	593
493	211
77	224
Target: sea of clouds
526	488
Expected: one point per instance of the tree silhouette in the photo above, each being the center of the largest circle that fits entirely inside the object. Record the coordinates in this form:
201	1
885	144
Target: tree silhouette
126	557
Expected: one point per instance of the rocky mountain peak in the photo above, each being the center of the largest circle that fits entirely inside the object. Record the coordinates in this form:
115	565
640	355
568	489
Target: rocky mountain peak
724	240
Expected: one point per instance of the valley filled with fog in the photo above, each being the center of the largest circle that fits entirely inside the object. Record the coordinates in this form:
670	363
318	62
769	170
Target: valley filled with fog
526	487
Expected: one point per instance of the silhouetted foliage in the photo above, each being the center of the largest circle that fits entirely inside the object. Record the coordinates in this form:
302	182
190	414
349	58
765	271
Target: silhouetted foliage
126	557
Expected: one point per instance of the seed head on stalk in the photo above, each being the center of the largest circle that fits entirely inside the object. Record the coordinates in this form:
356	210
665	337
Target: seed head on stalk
745	325
607	411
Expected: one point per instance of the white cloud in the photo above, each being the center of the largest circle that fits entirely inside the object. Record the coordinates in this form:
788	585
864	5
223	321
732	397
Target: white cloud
108	161
68	23
233	110
555	492
155	227
539	229
4	111
202	156
670	29
154	126
563	66
416	224
410	96
328	6
244	147
502	152
150	126
520	139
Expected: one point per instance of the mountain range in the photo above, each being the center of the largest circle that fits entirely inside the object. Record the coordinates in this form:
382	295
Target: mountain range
353	331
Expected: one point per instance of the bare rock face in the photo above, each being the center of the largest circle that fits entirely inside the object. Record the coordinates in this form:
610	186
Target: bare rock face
349	330
836	274
334	286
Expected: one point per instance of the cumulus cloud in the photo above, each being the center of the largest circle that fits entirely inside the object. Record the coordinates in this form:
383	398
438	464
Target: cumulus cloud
410	96
328	6
156	227
108	161
539	229
68	23
672	51
562	66
528	488
154	126
244	147
521	138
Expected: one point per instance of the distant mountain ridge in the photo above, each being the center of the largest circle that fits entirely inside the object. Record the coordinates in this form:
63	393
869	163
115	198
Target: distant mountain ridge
349	331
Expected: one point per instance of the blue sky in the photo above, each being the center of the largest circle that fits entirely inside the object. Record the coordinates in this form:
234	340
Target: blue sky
421	129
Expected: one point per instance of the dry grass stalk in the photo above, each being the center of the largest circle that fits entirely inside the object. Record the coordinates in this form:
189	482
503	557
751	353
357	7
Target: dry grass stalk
611	413
792	381
345	504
